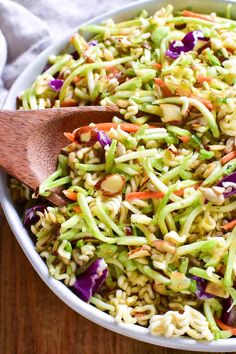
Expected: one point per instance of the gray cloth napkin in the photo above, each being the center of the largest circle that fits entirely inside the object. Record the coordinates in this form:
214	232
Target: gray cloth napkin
29	26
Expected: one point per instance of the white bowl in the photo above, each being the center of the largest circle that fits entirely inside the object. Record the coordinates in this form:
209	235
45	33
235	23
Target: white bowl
3	52
84	309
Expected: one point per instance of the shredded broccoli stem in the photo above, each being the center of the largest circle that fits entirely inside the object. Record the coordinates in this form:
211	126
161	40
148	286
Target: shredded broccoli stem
132	241
32	99
82	70
223	208
156	181
178	131
70	223
104	217
52	181
136	155
213	326
180	20
110	156
79	43
228	280
196	247
149	272
69	235
25	101
58	65
153	136
185	229
175	206
90	167
171	174
89	219
202	273
101	304
163	203
125	168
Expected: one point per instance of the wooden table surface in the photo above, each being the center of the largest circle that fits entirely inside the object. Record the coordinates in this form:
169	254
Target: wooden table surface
34	321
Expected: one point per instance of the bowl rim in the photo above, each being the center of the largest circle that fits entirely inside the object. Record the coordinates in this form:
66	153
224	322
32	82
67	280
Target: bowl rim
60	290
3	52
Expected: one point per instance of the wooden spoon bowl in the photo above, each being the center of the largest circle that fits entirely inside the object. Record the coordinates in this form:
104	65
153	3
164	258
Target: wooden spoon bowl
30	141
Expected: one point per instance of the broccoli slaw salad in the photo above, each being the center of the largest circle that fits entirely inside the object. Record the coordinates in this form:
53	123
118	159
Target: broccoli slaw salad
148	233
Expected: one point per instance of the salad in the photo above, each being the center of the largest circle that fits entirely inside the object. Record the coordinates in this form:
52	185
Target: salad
148	233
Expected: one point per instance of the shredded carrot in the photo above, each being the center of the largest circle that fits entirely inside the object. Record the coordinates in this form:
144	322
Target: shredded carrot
153	195
112	69
202	79
144	195
77	79
70	195
77	209
229	226
159	82
206	102
231	155
157	66
127	127
69	136
187	13
225	327
184	139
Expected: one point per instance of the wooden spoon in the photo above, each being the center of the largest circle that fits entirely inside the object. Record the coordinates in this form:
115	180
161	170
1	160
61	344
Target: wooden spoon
30	141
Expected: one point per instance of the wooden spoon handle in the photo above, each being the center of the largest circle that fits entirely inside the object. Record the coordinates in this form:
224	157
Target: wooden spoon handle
14	133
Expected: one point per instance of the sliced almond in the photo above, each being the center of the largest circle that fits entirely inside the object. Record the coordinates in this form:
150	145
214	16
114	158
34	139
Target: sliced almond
216	147
143	181
69	102
214	195
218	190
171	112
179	281
140	219
86	135
230	145
111	185
159	288
217	290
164	246
140	314
138	252
173	149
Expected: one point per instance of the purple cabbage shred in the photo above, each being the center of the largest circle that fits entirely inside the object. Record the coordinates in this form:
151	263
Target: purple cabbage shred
56	84
93	43
201	288
229	183
186	44
90	282
103	138
30	216
228	315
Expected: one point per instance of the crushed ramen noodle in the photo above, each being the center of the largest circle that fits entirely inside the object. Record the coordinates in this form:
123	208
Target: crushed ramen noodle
150	215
